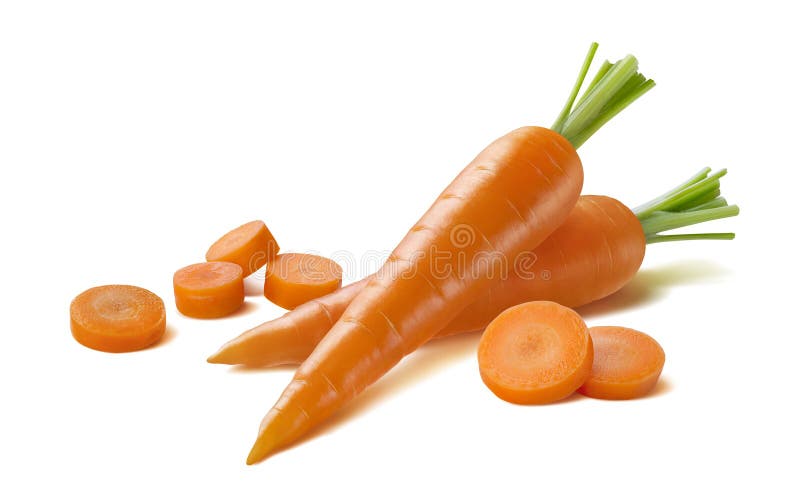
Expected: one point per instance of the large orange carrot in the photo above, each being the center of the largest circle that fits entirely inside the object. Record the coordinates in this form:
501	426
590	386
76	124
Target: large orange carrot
594	253
506	201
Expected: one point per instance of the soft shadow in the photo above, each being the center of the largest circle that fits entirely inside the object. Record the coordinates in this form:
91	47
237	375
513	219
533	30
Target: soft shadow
247	308
421	364
651	284
245	369
169	335
663	386
254	284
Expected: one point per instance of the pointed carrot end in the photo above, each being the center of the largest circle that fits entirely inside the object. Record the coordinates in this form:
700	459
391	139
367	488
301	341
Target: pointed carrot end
261	450
222	356
215	358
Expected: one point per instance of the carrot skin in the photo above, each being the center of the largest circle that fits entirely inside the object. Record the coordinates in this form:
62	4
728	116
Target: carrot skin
597	250
514	194
288	342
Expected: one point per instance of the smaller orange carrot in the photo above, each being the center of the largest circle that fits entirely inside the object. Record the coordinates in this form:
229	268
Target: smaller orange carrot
627	364
296	278
250	246
209	289
535	353
117	318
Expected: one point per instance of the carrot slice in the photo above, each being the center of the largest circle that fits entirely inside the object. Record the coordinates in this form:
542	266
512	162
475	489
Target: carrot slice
295	278
250	246
117	318
627	364
535	353
209	289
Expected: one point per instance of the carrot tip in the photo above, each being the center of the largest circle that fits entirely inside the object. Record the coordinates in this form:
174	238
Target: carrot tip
260	450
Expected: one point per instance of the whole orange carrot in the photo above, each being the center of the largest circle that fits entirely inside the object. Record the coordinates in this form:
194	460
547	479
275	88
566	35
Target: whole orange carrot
595	252
513	195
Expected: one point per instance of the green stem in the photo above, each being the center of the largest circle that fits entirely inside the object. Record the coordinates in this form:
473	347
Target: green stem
717	202
692	202
614	87
665	238
667	220
685	196
587	62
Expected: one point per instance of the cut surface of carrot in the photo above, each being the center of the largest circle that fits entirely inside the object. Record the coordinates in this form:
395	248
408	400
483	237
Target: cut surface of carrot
535	353
627	364
117	318
295	278
250	246
209	289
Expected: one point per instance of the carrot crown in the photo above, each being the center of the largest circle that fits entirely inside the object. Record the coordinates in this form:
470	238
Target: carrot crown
696	200
613	88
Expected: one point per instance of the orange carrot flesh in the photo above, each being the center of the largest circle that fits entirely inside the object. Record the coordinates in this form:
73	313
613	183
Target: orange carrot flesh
250	246
513	195
117	318
535	353
208	289
627	364
295	278
594	253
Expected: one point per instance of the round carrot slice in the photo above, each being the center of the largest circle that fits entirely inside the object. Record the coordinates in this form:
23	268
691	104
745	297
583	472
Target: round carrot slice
295	278
117	318
209	289
250	245
535	353
627	364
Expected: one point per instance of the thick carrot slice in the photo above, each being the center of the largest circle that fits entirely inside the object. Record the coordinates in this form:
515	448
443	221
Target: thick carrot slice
117	318
627	364
535	353
250	246
295	278
209	289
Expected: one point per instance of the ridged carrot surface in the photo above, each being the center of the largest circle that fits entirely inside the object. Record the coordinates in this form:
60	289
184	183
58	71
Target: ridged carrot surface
513	195
594	253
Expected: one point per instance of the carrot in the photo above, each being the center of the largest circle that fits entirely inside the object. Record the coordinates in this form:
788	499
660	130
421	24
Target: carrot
250	245
627	364
595	252
208	289
117	318
535	353
515	193
295	278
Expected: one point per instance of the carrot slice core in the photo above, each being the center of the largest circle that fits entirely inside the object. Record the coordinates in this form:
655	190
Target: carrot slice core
117	318
295	278
627	364
535	353
209	289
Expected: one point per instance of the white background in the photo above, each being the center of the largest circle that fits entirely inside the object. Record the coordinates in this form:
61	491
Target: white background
133	134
